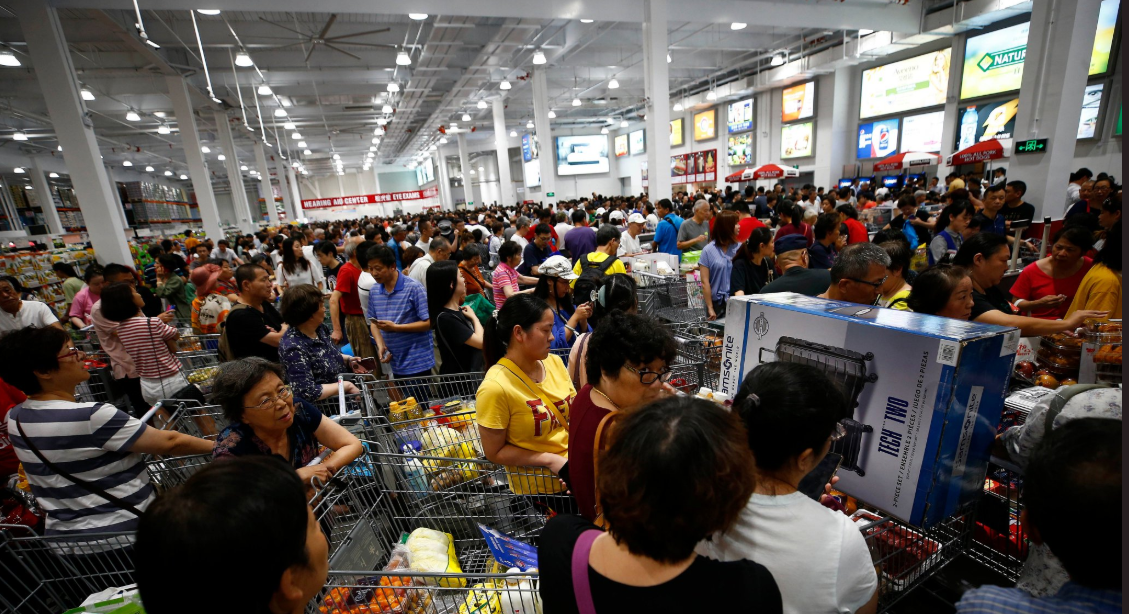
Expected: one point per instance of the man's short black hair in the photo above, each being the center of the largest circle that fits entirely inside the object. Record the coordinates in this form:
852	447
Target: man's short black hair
245	273
825	224
1018	186
543	229
382	254
326	247
848	210
362	253
606	234
578	216
1078	467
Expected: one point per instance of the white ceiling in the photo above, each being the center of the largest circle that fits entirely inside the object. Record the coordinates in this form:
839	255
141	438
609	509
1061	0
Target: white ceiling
334	95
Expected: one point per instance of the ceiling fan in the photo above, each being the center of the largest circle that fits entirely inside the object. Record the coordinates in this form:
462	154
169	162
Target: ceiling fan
322	38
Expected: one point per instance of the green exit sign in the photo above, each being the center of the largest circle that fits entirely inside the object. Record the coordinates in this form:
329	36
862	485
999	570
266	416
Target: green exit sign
1031	146
550	194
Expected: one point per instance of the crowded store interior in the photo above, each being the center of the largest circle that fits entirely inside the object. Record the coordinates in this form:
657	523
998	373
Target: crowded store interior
804	307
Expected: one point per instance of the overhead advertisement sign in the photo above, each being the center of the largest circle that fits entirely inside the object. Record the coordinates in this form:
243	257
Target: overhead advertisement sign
740	116
878	139
636	142
740	149
532	174
923	132
705	125
798	102
986	121
528	147
676	132
582	155
621	146
796	140
1091	103
914	83
370	199
1103	40
993	62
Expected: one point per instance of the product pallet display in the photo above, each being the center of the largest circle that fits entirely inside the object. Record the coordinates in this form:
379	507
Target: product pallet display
27	204
154	203
34	272
66	203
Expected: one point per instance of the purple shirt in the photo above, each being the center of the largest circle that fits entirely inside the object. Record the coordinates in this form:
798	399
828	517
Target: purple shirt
579	241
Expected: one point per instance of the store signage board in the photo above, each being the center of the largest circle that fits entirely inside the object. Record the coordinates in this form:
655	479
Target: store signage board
636	142
797	102
796	140
1091	104
694	167
550	194
620	146
878	139
528	148
923	132
993	62
740	150
705	125
979	123
740	117
676	132
370	199
1031	146
913	83
1103	39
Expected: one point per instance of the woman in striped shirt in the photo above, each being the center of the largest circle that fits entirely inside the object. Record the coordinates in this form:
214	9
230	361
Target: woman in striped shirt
506	277
149	342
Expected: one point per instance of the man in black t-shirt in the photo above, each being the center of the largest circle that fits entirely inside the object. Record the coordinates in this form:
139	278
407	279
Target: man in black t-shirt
537	251
331	262
792	257
1015	209
254	327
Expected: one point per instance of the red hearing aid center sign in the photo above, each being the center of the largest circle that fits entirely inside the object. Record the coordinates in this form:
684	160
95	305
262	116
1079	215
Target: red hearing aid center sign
369	199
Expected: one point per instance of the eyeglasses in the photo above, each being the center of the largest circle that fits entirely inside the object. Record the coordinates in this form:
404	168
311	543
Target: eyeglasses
283	395
874	284
838	432
648	377
79	354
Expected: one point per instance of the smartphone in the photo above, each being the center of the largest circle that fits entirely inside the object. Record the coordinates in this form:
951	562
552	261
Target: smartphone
369	364
812	484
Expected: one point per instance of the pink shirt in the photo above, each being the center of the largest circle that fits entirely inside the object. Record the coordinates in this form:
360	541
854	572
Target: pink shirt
83	304
504	275
107	331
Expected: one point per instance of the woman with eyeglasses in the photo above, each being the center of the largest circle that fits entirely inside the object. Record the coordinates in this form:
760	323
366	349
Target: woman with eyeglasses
266	418
818	556
100	443
628	364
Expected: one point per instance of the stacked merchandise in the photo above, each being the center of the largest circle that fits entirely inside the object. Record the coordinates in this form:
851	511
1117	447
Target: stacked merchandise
154	203
66	203
34	272
27	205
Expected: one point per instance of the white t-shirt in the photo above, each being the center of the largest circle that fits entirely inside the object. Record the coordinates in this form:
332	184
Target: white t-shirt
31	313
628	244
520	240
562	230
818	557
365	283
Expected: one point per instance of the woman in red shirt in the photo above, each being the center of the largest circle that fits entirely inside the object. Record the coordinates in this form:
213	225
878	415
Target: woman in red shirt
856	230
794	215
1047	286
628	359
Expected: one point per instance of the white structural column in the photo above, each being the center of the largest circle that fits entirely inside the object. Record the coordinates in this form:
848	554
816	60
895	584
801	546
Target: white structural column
44	198
245	219
506	195
74	130
545	148
657	87
280	167
953	109
763	152
376	180
297	194
118	207
443	178
1059	46
197	169
264	183
468	178
831	157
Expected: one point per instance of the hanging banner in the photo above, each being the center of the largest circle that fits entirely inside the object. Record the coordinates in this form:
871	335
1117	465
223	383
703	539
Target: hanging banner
370	199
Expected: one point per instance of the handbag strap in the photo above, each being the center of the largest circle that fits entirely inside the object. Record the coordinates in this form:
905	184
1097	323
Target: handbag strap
580	586
443	338
596	450
92	489
509	365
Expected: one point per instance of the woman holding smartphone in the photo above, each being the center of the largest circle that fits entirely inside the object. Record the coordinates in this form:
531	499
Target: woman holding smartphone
818	557
311	359
458	333
569	322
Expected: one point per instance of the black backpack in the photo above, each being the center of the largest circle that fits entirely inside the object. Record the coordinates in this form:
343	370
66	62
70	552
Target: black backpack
602	266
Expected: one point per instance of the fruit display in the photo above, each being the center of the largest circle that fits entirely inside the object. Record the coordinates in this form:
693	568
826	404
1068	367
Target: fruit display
902	552
1059	355
1101	351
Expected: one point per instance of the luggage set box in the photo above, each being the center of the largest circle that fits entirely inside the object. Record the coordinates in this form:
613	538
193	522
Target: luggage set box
925	392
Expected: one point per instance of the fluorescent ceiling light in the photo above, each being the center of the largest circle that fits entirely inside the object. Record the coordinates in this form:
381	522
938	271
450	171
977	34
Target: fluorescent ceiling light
168	173
623	123
221	157
18	170
372	148
160	114
265	90
209	12
678	107
777	60
53	176
183	176
302	144
7	58
737	25
289	126
417	16
243	167
552	114
336	156
604	130
296	136
504	85
133	116
432	148
613	84
466	117
711	95
280	112
393	87
576	102
587	20
403	59
513	132
149	41
148	169
19	136
529	124
481	105
205	149
539	57
87	94
244	60
127	163
386	109
668	57
307	152
454	124
60	148
865	32
375	141
380	121
163	129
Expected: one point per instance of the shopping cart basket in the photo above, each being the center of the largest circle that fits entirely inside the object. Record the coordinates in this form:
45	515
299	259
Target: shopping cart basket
53	574
345	507
699	344
86	339
424	389
677	300
999	541
99	387
201	368
847	369
191	342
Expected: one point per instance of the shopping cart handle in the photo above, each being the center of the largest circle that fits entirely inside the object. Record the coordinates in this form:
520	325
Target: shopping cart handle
152	411
341	394
320	457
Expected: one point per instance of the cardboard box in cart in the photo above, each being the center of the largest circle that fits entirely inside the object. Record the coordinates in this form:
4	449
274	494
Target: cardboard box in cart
929	392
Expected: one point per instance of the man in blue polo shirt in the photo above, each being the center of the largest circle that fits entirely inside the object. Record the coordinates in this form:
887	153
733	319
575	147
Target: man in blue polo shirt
398	317
666	233
991	220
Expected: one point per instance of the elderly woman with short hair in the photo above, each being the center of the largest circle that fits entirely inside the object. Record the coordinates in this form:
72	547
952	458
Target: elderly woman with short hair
266	418
311	359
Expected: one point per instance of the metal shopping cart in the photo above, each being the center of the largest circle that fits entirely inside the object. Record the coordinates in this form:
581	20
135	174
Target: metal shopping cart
999	541
191	342
200	367
676	300
847	369
699	344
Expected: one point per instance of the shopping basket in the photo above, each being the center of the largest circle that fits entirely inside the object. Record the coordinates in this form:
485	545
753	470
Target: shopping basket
52	574
847	369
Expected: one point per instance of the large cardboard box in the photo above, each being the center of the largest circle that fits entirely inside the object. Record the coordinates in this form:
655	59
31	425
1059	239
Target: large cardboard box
929	392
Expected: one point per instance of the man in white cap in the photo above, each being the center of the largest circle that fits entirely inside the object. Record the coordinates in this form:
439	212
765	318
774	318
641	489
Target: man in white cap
616	218
629	241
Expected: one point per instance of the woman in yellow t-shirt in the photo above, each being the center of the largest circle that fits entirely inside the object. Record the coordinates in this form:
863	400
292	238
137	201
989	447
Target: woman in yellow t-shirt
523	403
1101	287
